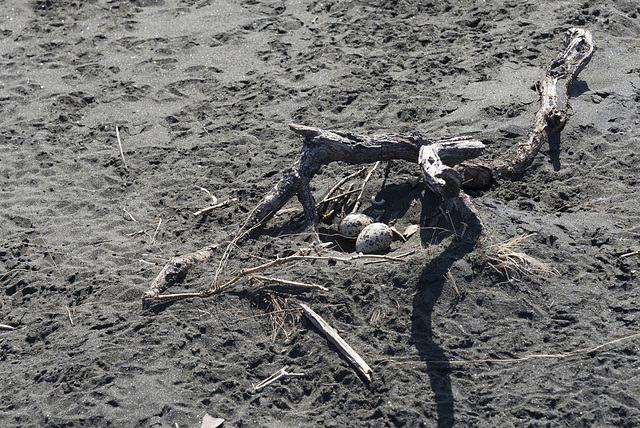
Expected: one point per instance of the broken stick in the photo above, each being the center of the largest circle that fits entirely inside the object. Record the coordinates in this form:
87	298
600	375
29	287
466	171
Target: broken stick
352	356
282	373
174	271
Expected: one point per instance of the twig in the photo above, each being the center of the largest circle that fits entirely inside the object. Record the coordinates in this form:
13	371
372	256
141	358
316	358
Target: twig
153	239
364	183
633	253
124	210
282	373
287	282
178	266
214	200
120	145
213	207
6	327
327	197
266	314
69	314
352	356
341	195
453	282
13	270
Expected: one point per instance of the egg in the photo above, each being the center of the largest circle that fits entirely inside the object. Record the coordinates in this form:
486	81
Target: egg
374	238
352	224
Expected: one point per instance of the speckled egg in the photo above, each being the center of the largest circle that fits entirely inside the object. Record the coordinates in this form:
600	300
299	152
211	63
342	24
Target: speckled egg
352	224
374	238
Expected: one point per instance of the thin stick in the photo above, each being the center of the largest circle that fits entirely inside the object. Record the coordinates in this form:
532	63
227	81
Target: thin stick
574	353
153	239
6	327
69	314
287	282
213	207
319	204
124	210
120	145
178	266
341	195
352	356
453	282
13	270
633	253
266	314
364	183
327	197
282	373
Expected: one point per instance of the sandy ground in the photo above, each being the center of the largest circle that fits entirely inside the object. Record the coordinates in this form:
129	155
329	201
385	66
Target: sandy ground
202	93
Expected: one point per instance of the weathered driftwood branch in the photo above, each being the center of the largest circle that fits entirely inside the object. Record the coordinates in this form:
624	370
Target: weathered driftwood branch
322	147
437	160
177	267
438	175
551	118
352	356
174	271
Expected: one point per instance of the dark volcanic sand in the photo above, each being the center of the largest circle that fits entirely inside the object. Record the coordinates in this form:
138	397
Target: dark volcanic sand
202	93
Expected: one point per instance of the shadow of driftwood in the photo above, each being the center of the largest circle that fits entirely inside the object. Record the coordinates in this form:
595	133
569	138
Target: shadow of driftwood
430	285
554	151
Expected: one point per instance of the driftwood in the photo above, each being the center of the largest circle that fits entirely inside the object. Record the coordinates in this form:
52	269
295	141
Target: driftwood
322	147
177	267
445	164
551	118
175	271
352	356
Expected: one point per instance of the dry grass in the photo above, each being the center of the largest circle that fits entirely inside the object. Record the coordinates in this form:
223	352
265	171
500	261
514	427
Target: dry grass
282	317
509	258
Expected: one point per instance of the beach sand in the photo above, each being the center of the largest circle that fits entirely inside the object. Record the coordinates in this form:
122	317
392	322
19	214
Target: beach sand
202	93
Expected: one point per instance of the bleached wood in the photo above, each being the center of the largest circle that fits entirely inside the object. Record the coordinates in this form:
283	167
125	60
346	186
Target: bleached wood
352	356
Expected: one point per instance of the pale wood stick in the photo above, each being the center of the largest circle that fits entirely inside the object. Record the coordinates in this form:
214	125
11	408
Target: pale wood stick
216	206
633	253
120	145
287	282
282	373
364	183
352	356
69	314
327	197
6	327
124	210
153	239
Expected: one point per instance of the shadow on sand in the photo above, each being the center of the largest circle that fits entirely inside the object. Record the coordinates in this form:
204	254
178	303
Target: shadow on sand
429	288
